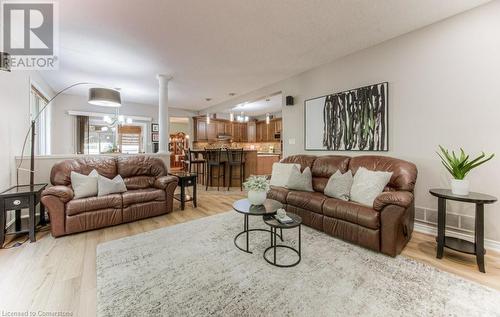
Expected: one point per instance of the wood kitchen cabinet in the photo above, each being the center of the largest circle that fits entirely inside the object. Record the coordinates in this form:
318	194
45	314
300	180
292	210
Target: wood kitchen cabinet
201	130
212	130
251	131
220	128
243	132
236	131
265	163
278	125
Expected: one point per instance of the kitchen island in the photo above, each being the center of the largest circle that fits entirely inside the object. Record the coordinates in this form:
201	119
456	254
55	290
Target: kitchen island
250	167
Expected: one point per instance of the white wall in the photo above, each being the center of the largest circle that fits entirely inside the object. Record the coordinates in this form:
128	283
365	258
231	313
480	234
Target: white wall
444	82
15	88
63	125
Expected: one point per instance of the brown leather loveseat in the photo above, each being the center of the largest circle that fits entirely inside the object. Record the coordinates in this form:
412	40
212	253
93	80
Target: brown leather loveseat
149	193
384	227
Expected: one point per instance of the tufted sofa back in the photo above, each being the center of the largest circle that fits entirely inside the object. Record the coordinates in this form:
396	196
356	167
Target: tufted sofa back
137	171
322	167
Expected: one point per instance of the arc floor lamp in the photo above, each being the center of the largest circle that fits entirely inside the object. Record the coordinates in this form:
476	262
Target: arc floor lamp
99	96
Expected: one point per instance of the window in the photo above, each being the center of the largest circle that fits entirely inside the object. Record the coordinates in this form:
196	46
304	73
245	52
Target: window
95	136
37	103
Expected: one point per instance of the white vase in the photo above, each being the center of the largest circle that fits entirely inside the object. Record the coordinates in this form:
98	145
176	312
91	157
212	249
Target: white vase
256	198
460	187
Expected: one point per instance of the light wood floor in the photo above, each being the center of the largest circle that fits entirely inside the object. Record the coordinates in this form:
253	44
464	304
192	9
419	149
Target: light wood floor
60	274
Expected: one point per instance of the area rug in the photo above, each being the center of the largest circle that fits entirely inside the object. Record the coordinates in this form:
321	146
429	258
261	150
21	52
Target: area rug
194	269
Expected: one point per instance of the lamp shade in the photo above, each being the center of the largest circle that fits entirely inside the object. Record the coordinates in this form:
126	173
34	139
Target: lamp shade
105	97
5	61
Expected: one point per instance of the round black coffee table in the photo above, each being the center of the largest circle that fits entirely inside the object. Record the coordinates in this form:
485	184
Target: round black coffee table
275	224
244	207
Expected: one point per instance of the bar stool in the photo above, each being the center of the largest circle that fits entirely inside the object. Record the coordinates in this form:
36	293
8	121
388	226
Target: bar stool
235	158
193	159
214	159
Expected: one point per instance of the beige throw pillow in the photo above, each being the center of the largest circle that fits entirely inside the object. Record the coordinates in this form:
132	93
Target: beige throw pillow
300	181
339	185
281	173
108	186
84	185
367	185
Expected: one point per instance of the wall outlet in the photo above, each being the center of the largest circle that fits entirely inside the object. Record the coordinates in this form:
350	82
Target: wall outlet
291	141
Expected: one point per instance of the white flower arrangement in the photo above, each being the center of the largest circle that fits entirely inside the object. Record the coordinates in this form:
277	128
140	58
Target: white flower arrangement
257	183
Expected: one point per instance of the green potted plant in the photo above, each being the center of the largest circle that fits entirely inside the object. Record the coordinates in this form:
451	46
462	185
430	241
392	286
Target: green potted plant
459	166
257	187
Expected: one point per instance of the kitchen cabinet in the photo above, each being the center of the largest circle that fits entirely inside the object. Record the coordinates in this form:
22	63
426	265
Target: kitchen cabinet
265	163
220	127
201	130
228	130
278	125
243	132
236	132
251	131
212	130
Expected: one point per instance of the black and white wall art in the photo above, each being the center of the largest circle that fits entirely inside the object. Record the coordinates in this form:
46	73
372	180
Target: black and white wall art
353	120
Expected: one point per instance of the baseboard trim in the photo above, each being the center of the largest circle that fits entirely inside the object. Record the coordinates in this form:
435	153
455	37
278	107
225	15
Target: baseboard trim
432	230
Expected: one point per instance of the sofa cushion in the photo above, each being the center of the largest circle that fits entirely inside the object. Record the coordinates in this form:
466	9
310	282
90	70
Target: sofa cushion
339	186
300	180
76	206
84	185
367	185
278	193
352	212
142	195
108	186
61	172
303	160
325	166
129	166
139	182
281	173
404	174
312	201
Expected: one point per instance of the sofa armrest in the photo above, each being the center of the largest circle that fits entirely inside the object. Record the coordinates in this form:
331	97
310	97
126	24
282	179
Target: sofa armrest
163	182
398	198
64	193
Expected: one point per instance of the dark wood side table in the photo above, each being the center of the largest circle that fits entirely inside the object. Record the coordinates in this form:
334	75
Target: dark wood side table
186	179
17	198
476	248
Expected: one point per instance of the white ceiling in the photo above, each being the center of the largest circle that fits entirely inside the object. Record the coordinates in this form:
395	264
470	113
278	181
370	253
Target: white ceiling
259	107
216	47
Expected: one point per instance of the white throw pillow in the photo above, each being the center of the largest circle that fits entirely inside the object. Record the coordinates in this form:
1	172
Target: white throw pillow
84	185
339	185
108	186
281	173
300	181
367	185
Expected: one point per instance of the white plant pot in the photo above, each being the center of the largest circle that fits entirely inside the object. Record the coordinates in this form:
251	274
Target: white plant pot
460	187
256	198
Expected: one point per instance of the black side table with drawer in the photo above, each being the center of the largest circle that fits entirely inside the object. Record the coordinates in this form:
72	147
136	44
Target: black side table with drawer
186	179
18	198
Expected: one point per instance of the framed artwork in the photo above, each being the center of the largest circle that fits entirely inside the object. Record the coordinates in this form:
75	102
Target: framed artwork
155	137
155	127
352	120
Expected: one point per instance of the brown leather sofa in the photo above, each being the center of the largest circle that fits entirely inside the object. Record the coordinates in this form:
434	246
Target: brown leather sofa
385	227
149	193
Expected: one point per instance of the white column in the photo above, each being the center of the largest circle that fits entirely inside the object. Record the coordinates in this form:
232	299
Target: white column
163	119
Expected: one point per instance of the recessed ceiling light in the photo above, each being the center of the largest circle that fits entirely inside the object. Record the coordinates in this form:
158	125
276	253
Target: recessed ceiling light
232	94
208	99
